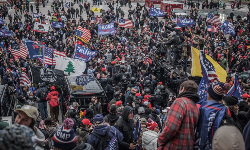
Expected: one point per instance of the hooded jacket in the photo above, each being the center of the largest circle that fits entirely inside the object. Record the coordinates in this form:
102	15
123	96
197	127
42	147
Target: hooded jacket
101	130
149	140
225	140
126	127
111	119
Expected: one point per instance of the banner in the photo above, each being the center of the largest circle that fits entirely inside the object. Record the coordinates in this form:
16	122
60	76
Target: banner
70	66
43	28
156	12
83	54
34	49
57	24
41	74
106	29
6	33
36	15
183	22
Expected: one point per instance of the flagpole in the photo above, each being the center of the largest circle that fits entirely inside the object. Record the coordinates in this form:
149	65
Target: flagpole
43	55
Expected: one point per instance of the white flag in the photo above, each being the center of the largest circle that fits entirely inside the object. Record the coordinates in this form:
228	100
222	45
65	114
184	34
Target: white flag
43	28
70	66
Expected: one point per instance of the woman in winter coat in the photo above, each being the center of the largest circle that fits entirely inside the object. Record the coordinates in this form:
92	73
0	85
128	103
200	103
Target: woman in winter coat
149	138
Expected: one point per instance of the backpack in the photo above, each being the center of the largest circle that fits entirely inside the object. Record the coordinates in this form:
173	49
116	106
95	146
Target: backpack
105	143
43	94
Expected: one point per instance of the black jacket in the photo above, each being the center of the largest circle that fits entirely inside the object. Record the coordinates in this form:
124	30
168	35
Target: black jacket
126	127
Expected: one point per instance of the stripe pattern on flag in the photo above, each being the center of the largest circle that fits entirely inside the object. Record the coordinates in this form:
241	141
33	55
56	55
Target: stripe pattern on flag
83	34
48	56
125	23
58	53
24	79
23	51
213	19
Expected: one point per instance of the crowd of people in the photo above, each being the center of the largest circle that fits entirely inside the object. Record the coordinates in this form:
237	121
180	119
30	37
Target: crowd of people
151	99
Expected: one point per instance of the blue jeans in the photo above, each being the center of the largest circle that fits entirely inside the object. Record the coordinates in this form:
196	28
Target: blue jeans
42	108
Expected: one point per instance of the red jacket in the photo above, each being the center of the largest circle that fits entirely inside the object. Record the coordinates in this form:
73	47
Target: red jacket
181	122
52	97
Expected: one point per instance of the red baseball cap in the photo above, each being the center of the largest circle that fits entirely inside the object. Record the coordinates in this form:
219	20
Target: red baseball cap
137	94
86	122
245	95
118	103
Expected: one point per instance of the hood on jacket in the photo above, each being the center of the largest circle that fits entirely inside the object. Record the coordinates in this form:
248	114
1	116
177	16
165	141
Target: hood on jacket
190	95
112	117
39	137
149	136
125	112
228	137
101	130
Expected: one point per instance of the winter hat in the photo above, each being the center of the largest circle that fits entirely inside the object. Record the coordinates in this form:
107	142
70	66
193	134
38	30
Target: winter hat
230	100
65	137
217	91
98	118
143	121
141	110
17	137
151	124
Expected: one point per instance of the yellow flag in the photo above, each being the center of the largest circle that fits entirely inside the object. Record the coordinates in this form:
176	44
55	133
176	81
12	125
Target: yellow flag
196	66
95	9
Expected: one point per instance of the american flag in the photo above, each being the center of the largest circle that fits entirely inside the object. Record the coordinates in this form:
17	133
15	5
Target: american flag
83	34
209	76
213	19
18	50
98	20
23	51
125	23
93	20
14	50
24	79
48	56
212	28
58	53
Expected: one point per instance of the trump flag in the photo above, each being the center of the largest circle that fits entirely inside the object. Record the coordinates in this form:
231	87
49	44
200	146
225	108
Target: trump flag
83	54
